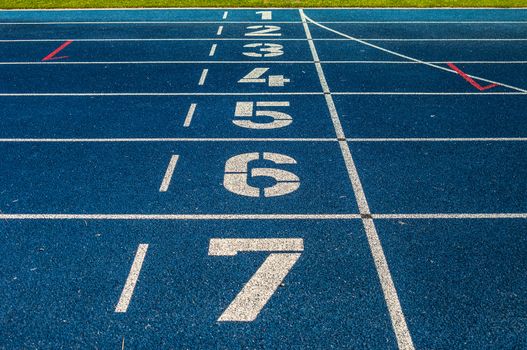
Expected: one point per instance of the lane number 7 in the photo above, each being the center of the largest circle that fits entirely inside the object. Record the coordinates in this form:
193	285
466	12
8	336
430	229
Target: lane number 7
263	284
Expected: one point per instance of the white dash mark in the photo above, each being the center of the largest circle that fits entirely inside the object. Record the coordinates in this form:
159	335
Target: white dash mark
203	76
131	281
213	50
168	174
225	14
190	114
220	30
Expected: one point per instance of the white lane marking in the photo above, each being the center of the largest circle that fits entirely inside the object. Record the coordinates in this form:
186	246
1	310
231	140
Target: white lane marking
175	139
213	51
131	281
220	30
160	94
267	39
404	339
243	22
423	9
263	139
203	76
408	57
329	216
190	114
168	174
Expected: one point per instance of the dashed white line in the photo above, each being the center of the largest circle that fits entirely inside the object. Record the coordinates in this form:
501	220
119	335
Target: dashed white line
402	334
203	76
220	30
131	281
168	174
225	14
190	114
213	50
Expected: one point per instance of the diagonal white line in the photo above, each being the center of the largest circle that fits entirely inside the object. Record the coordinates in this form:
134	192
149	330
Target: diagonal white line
408	57
402	334
131	281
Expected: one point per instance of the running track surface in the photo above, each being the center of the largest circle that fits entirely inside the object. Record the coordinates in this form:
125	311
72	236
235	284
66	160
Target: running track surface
236	178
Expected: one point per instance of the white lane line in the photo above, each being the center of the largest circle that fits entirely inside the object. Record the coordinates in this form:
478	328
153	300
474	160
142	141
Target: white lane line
440	139
213	51
220	30
225	14
263	139
131	281
245	39
168	174
173	139
63	94
190	114
329	216
410	58
402	334
203	76
395	93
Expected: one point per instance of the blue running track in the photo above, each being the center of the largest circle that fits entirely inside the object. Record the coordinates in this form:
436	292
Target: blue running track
277	178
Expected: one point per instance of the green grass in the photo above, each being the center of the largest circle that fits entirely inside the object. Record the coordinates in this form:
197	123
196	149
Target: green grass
14	4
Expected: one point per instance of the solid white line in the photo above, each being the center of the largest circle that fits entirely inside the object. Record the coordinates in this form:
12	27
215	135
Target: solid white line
174	139
259	216
395	93
64	94
131	281
249	22
410	58
440	139
404	339
245	39
225	14
168	174
190	114
212	50
263	139
175	9
203	76
220	30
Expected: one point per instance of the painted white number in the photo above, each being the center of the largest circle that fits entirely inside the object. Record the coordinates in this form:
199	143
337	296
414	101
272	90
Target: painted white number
265	50
266	15
236	175
264	283
246	110
263	31
256	76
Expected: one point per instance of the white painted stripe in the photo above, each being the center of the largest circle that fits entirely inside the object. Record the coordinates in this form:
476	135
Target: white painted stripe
212	51
225	14
395	93
440	139
131	281
245	39
411	58
453	216
64	94
168	174
176	9
249	22
404	339
173	139
190	114
328	216
203	76
263	139
220	30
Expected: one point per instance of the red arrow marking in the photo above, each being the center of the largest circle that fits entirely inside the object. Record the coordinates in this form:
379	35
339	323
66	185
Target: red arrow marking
51	56
469	79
